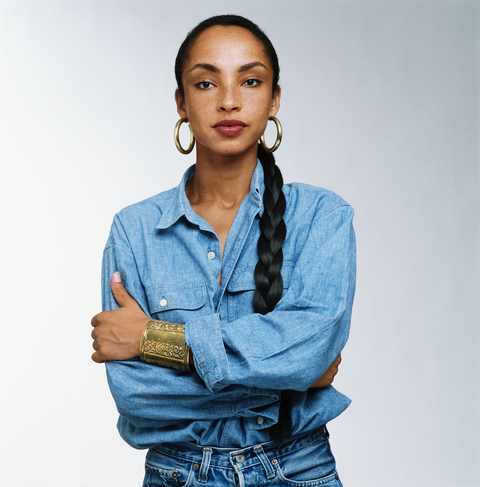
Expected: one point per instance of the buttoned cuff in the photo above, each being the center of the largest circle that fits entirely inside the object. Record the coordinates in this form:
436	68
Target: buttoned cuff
204	337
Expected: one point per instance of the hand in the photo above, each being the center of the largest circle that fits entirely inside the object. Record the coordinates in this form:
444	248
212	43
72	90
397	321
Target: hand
116	334
329	375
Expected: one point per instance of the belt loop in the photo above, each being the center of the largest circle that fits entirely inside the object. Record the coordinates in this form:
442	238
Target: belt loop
203	473
269	470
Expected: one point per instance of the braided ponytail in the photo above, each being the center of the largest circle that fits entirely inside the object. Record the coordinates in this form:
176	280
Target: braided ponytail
268	279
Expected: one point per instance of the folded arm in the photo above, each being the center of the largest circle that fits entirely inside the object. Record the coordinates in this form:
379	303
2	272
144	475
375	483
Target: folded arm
245	362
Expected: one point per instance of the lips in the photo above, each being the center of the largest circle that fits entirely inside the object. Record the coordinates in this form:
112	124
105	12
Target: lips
229	128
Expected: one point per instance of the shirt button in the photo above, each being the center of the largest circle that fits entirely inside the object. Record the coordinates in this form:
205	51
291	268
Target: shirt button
211	255
240	458
163	302
259	420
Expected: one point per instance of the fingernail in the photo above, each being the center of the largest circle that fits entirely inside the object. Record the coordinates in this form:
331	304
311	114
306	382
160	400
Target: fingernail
117	277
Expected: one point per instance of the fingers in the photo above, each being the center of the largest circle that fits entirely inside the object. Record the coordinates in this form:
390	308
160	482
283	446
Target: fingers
334	367
96	355
119	292
96	358
328	377
116	334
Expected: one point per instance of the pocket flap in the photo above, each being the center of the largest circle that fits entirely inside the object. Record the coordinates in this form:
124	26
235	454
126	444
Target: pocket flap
244	280
185	296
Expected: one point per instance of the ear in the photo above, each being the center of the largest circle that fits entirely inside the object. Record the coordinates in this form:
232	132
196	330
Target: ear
181	109
275	104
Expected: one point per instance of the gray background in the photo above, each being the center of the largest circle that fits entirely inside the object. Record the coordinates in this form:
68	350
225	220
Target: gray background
380	104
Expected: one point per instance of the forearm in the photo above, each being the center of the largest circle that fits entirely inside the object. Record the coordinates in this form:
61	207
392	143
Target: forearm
144	393
221	361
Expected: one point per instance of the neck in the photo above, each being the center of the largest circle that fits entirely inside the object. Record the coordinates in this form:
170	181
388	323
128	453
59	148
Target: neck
221	180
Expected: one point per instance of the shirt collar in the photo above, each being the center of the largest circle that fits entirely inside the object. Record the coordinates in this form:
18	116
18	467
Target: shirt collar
180	205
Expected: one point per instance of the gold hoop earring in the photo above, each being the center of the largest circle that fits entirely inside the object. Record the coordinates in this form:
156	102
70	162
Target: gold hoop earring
279	136
176	137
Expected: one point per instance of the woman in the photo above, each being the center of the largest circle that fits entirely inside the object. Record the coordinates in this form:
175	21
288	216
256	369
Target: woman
249	282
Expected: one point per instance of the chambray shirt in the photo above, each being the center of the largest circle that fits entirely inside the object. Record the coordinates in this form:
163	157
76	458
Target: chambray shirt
169	259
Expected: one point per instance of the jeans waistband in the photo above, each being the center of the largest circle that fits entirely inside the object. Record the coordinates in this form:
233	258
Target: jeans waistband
204	457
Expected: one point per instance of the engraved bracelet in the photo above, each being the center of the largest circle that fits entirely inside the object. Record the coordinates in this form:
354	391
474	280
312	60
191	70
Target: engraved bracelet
164	344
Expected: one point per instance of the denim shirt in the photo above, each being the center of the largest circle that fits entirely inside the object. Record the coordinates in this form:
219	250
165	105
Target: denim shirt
169	259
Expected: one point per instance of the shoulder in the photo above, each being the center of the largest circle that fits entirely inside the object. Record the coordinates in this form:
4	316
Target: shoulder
157	202
138	220
155	205
312	202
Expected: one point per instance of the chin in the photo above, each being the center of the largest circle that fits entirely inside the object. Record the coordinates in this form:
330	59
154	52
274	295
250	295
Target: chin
230	148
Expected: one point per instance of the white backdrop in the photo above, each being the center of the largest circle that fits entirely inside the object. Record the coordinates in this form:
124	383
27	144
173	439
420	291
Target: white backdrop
380	104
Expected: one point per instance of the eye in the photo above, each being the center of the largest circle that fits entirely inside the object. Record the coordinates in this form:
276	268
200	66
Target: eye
204	85
252	82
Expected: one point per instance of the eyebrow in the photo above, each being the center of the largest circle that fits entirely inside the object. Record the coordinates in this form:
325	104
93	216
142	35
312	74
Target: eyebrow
241	69
248	66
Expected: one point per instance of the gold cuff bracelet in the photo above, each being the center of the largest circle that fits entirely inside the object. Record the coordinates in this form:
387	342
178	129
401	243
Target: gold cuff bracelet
164	344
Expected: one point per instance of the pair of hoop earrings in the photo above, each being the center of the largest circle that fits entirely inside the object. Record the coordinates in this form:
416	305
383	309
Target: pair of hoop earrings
178	145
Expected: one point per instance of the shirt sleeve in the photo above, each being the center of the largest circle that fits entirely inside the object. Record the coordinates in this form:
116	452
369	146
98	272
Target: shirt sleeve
147	395
292	346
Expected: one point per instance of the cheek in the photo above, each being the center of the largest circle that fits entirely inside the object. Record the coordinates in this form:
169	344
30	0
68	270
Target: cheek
260	112
260	106
200	117
198	107
196	113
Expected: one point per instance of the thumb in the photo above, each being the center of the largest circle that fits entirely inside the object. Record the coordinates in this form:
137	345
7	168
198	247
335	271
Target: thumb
119	292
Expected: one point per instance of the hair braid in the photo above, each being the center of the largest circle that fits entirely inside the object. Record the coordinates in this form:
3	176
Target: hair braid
268	279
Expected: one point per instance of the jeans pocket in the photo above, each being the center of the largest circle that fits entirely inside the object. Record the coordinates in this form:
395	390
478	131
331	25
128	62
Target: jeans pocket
312	465
165	471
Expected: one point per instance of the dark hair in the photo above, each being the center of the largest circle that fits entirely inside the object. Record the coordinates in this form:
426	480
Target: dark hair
268	279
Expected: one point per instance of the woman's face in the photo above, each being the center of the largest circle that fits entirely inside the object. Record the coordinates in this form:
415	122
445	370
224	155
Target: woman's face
227	81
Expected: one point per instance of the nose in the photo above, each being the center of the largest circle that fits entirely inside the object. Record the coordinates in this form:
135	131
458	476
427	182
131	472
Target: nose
229	99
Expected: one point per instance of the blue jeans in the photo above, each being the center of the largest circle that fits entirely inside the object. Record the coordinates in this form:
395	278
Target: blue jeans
303	462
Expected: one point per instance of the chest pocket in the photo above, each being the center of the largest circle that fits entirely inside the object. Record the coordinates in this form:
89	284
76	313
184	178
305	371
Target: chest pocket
242	286
177	303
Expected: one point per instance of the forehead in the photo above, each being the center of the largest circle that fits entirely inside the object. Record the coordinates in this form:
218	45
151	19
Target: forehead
226	44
